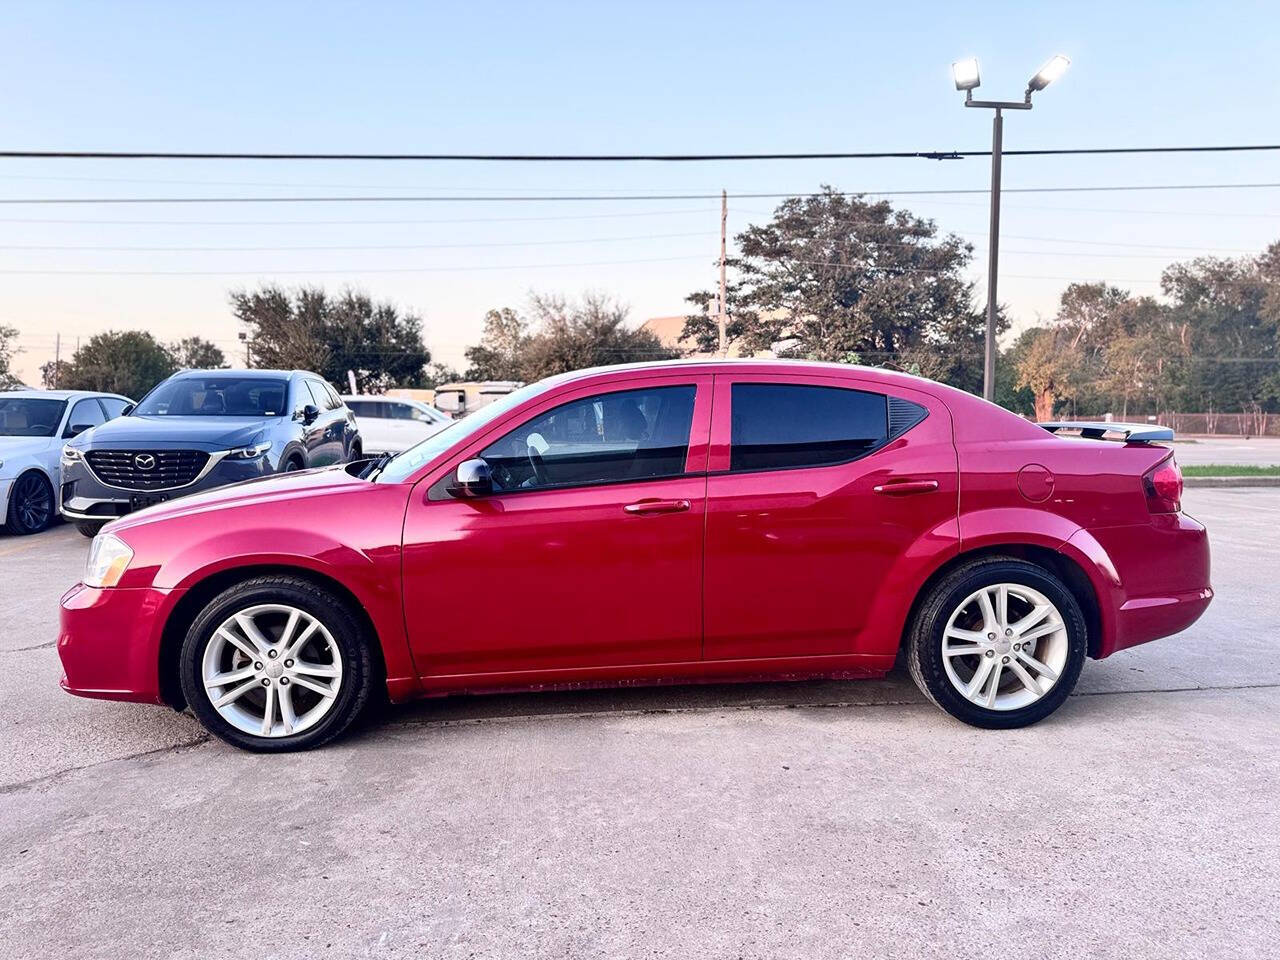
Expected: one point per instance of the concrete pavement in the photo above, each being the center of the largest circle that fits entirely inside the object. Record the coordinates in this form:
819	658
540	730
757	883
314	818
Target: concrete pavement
809	820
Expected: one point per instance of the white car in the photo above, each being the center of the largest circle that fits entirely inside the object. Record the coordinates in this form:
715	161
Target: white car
393	425
34	425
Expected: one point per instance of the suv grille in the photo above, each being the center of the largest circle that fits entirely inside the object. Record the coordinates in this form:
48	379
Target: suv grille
147	469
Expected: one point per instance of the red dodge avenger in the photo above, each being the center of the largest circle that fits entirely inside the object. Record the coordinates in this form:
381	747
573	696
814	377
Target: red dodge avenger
655	523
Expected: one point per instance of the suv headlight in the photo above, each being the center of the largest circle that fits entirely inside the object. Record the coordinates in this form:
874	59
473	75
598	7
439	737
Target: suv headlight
108	559
249	453
71	455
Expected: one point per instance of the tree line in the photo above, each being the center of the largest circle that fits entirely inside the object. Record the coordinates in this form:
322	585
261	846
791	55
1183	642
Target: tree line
831	277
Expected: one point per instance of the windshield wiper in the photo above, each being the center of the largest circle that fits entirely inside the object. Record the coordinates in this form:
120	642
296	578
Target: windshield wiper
374	466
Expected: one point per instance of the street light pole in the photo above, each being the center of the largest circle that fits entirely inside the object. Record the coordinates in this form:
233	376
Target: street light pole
967	78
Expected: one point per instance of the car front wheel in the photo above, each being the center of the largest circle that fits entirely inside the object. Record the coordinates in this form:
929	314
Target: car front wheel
998	643
276	663
31	506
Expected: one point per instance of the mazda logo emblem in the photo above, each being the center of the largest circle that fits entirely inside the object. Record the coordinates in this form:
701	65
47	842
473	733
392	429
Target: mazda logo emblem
144	461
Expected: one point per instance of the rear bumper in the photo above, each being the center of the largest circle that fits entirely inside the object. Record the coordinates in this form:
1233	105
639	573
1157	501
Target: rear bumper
1152	579
109	641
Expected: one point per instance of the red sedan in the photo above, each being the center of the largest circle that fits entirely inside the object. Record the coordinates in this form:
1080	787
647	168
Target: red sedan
654	523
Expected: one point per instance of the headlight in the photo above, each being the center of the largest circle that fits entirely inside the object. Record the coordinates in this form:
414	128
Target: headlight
108	559
249	453
71	455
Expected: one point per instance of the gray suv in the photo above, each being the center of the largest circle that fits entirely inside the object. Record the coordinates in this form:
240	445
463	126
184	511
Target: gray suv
201	429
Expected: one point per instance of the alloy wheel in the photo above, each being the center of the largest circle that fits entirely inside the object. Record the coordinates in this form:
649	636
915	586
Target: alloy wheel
32	502
272	670
1005	646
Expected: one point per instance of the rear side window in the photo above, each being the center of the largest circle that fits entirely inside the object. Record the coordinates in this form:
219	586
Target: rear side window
780	425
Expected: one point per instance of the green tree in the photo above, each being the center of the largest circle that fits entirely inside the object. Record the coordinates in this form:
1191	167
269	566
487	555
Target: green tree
500	353
591	332
128	362
54	373
311	330
8	349
194	353
837	277
438	374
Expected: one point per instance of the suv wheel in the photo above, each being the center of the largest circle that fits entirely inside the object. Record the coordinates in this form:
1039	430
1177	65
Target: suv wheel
275	664
998	643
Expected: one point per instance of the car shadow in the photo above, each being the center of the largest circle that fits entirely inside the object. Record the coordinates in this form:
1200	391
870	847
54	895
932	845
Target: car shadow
896	688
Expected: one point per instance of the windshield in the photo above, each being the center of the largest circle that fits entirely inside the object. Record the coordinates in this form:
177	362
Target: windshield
413	458
30	416
229	396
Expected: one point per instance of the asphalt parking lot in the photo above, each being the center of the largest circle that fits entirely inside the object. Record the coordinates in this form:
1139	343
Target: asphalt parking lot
824	819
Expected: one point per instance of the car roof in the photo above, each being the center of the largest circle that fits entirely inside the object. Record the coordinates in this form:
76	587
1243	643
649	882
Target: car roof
60	394
253	374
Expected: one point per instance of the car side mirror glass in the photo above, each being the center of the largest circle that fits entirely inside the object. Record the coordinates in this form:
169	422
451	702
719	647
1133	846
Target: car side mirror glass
310	412
472	479
128	409
78	428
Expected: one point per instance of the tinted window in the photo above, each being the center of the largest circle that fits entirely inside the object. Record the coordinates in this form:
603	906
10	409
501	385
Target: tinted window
30	416
632	435
85	414
366	408
331	399
221	396
113	405
785	425
318	399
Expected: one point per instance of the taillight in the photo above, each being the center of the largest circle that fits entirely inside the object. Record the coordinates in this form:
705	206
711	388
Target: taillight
1163	487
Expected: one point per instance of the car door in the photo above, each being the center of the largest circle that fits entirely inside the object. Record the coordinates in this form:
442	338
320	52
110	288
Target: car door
324	434
818	487
84	415
587	554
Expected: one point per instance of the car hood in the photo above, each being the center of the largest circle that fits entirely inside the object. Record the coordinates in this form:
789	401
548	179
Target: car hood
209	433
25	446
278	486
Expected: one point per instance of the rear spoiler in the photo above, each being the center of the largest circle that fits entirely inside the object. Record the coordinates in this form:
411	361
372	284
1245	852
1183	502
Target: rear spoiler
1101	430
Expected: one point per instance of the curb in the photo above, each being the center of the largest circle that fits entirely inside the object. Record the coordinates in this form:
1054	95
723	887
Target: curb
1231	481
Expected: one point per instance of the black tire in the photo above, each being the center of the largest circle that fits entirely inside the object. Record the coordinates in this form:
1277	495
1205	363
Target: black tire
90	528
357	452
292	464
347	630
925	640
31	506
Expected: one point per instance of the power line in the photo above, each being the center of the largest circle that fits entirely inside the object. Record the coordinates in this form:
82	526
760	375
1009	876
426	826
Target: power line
618	157
583	197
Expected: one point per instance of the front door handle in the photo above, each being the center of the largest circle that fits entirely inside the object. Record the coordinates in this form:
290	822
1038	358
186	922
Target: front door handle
657	506
904	488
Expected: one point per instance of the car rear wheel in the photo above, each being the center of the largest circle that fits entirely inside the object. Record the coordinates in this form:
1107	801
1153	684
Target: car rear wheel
30	504
276	663
998	643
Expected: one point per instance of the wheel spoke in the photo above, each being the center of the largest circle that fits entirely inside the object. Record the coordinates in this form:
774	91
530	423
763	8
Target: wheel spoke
302	638
1002	606
1028	681
1035	617
989	619
252	632
226	679
963	650
1040	668
968	636
234	694
287	716
240	644
979	677
995	684
1041	631
287	634
324	691
314	669
269	711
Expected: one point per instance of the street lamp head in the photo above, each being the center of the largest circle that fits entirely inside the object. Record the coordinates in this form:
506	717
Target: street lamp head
965	74
1053	68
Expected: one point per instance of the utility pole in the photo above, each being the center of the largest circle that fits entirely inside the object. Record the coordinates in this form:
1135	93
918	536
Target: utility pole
724	304
57	357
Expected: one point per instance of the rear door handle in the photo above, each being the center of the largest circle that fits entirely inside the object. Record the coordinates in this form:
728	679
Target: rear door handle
904	488
657	506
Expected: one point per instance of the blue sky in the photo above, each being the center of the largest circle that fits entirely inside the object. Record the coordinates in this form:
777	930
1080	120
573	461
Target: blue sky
600	77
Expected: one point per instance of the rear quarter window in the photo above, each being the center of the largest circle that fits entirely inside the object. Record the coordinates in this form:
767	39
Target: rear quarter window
778	425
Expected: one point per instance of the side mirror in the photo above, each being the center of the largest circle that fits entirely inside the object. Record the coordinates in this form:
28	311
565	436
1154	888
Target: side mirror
310	413
128	409
473	479
78	428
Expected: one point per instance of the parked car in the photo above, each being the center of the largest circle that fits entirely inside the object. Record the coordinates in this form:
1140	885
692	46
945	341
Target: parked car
618	526
33	426
201	429
392	425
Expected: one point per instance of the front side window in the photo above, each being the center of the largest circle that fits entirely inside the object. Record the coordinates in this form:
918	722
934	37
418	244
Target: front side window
30	416
85	414
780	425
215	396
611	437
113	405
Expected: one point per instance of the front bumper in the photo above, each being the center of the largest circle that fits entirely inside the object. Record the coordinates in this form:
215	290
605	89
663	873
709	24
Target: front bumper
109	641
85	496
